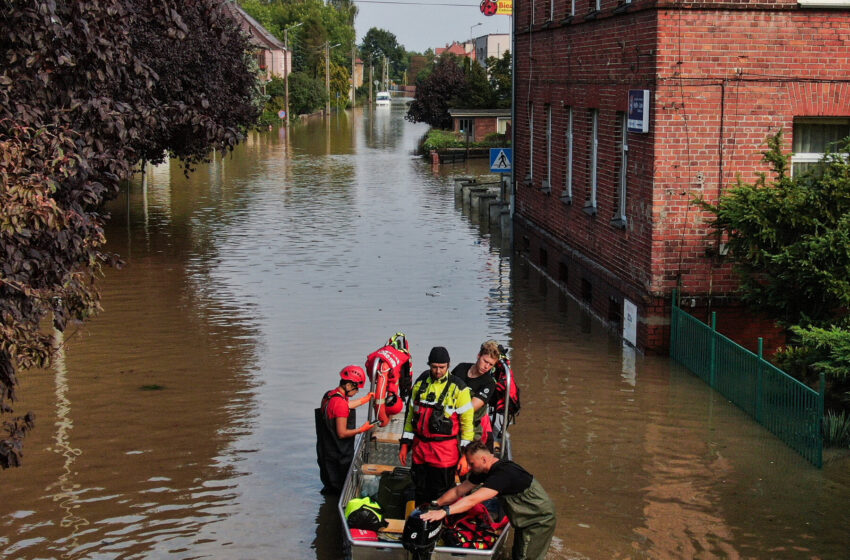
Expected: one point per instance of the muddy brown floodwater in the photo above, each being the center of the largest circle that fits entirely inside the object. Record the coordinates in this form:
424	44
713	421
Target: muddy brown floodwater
178	423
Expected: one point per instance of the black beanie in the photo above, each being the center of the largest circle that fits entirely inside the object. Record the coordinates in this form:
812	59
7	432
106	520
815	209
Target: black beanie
438	355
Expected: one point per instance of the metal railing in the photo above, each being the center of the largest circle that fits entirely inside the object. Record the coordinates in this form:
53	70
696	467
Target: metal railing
788	408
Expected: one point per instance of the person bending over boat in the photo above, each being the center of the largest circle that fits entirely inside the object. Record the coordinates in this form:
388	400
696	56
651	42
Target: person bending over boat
529	508
479	378
438	418
335	431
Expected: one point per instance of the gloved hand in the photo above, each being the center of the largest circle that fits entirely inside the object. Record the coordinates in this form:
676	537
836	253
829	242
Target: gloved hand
402	453
363	400
462	465
365	427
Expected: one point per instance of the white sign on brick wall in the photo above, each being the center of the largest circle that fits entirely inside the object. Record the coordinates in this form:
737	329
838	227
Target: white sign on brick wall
630	318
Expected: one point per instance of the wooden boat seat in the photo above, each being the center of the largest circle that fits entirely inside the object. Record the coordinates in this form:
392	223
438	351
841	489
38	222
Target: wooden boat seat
395	526
377	470
386	437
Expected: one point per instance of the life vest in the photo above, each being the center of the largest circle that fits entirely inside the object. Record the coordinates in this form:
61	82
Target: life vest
471	529
429	420
389	369
364	513
505	384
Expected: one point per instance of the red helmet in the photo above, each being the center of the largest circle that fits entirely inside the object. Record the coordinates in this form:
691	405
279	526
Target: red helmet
355	374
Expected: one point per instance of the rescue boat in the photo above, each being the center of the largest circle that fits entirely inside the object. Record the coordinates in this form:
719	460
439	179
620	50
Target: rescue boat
376	452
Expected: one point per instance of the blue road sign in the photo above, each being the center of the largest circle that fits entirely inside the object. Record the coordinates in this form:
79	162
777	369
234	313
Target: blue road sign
501	160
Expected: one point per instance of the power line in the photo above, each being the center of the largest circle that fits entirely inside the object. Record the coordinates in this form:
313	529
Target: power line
415	3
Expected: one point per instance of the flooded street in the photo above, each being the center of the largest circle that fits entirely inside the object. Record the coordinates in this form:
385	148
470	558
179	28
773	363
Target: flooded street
179	423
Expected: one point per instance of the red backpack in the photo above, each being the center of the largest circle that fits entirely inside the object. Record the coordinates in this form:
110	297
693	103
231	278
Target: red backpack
471	529
497	399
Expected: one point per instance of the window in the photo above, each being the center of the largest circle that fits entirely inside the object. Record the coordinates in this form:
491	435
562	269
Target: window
467	128
593	149
823	3
598	5
620	214
812	138
547	183
568	180
572	7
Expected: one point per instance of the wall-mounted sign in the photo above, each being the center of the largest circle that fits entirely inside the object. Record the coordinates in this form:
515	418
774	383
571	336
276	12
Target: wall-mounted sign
630	320
638	110
496	7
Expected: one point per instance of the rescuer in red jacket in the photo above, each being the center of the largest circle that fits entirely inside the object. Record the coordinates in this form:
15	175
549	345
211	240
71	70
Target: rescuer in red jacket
438	422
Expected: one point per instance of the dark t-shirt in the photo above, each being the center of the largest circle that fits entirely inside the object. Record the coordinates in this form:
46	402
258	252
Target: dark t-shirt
505	477
482	386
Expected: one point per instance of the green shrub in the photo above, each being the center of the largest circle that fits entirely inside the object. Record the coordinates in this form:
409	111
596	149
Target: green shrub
836	429
438	139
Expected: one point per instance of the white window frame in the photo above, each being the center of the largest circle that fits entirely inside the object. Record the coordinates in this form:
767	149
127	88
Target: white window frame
551	10
812	157
573	7
568	172
594	158
547	183
622	185
598	5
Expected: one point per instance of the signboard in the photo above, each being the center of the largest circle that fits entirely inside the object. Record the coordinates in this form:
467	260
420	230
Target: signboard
630	319
281	114
501	160
638	110
496	7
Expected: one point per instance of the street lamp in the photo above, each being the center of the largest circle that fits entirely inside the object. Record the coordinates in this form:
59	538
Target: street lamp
286	67
473	27
328	48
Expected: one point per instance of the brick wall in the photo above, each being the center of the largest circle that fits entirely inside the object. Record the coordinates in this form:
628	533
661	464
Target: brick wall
722	76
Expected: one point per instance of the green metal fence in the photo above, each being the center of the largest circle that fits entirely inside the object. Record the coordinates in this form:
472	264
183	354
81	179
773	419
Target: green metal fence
790	409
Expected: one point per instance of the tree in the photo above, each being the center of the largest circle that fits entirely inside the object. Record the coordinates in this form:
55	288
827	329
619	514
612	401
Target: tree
499	70
789	238
83	97
433	93
476	92
306	93
378	43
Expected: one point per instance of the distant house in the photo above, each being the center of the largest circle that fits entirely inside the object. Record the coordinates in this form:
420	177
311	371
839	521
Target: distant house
272	56
494	44
477	124
458	49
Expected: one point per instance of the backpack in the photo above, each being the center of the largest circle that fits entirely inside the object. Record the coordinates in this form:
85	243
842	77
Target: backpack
497	399
471	529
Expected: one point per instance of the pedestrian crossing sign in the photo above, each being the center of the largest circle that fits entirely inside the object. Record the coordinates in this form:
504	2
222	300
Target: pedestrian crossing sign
501	160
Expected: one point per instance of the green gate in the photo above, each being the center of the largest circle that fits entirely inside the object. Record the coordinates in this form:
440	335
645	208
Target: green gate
777	401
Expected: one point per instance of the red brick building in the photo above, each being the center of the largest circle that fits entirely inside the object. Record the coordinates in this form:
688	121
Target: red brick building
607	211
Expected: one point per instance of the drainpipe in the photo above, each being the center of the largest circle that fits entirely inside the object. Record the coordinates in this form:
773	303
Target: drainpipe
513	110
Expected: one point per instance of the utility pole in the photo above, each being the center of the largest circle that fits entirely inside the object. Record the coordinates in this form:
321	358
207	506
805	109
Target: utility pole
287	63
328	77
328	48
371	80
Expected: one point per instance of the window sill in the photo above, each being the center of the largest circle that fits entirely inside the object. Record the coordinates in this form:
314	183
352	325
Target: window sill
566	199
591	15
619	223
823	3
621	8
589	209
567	20
545	188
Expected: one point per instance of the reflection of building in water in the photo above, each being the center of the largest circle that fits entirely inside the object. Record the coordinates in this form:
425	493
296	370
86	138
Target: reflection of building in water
68	490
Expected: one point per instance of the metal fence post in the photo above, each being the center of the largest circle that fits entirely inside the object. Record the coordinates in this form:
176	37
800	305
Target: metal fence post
821	397
712	360
674	323
759	386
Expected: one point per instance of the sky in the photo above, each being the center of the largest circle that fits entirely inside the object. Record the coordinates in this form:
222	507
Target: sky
422	24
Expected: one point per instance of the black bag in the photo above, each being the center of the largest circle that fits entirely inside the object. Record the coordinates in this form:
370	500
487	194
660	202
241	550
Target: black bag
395	489
420	537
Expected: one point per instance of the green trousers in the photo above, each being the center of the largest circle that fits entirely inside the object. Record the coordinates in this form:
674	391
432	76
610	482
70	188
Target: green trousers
532	515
